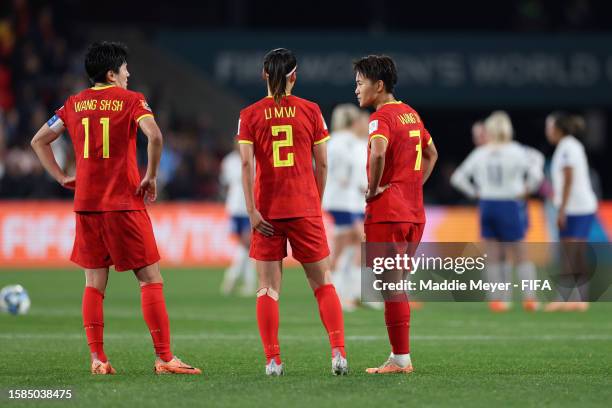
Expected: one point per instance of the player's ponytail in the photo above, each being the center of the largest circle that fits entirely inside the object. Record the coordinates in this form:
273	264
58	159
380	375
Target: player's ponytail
279	65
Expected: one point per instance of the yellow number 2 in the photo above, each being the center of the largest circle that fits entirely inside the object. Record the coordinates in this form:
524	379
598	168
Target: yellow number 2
419	150
286	142
105	122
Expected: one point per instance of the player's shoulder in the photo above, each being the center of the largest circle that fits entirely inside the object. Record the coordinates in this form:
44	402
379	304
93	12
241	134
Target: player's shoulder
307	106
229	159
128	93
517	148
304	102
255	106
571	142
340	139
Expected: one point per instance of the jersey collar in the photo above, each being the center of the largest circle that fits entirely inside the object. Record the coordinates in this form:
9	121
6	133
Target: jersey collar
97	88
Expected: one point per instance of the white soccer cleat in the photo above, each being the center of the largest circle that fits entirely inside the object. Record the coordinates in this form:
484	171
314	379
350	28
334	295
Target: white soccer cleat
339	364
273	369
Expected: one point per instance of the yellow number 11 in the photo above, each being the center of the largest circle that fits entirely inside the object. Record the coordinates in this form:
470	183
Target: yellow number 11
105	122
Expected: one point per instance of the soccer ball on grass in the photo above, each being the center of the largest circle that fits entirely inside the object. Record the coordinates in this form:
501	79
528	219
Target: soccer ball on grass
14	299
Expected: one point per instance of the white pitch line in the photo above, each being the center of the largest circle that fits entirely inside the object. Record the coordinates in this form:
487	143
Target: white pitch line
356	338
476	323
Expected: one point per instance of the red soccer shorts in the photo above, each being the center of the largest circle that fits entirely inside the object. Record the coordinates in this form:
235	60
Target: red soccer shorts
121	238
404	238
394	232
306	236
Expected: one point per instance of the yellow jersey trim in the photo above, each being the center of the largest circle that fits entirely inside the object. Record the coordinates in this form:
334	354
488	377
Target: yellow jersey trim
143	116
391	103
325	139
245	142
377	136
97	88
430	141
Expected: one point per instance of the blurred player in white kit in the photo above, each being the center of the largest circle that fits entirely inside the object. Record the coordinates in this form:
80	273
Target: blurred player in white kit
501	174
242	267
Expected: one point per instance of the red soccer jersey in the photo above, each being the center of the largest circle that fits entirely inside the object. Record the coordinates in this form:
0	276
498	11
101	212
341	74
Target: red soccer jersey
283	137
102	123
406	135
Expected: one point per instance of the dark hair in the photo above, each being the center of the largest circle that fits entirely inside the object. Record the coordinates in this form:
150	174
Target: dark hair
568	124
278	63
378	68
102	57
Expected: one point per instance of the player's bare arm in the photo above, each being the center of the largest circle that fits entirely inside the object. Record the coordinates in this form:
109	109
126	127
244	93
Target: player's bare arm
248	167
148	185
320	158
41	143
568	175
378	149
430	156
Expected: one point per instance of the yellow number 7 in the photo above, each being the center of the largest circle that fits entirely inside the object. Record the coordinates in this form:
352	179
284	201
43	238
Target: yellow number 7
277	144
419	150
105	122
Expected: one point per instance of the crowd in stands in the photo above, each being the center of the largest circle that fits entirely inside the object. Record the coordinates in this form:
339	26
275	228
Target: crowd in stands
40	65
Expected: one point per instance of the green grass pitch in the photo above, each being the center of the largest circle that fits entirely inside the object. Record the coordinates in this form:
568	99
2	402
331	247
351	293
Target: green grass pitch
463	355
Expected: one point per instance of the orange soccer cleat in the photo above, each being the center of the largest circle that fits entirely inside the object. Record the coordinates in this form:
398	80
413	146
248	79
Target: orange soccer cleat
531	305
576	306
98	367
174	366
555	307
390	367
497	306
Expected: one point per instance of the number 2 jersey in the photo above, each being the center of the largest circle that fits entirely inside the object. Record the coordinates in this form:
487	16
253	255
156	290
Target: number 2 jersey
103	122
283	136
406	137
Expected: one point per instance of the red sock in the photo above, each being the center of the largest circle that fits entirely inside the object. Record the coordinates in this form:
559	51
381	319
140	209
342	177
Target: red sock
330	311
397	318
156	317
268	321
93	321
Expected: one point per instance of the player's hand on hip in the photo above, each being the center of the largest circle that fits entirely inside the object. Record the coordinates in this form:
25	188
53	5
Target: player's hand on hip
370	194
68	182
259	224
148	188
561	219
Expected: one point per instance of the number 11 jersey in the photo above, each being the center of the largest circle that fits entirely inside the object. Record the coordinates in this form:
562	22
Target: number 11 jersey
283	136
103	122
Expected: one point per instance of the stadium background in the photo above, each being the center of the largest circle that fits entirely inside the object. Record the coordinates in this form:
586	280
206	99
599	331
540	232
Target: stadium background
198	64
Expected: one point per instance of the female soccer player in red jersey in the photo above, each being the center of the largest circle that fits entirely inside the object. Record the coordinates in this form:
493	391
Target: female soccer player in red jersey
112	224
401	158
283	134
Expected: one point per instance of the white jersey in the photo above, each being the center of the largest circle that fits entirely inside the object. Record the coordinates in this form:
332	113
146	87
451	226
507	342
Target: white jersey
582	199
359	182
338	193
500	171
231	177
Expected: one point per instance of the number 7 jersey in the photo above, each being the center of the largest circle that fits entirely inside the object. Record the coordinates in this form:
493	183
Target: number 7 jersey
283	136
102	123
406	137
